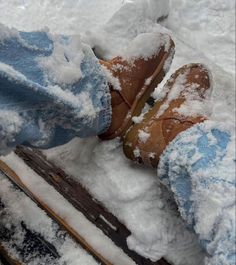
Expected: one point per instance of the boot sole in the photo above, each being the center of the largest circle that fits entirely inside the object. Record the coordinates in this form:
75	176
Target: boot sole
142	97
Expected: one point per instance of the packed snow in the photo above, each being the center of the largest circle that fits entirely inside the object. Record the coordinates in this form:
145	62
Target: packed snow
203	32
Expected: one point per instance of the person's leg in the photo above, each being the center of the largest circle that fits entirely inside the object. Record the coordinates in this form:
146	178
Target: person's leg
199	167
195	159
51	90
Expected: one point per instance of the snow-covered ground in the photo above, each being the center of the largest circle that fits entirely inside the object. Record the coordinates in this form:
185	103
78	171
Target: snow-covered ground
203	31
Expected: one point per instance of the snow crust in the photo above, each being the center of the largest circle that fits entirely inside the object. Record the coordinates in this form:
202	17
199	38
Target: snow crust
203	32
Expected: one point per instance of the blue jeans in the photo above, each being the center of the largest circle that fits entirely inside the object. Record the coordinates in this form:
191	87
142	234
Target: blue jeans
36	109
199	167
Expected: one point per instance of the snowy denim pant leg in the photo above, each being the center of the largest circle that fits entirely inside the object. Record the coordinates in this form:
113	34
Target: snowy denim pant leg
52	89
199	167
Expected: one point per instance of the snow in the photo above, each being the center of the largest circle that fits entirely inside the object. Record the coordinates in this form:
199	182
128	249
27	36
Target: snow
143	136
168	61
63	66
174	93
145	46
203	32
208	27
138	119
133	18
5	33
194	104
68	17
194	108
9	127
111	79
86	110
136	152
11	71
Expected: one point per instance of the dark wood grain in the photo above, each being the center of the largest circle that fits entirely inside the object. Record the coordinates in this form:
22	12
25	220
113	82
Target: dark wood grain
79	197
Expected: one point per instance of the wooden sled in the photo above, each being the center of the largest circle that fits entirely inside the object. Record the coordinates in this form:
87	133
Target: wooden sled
81	200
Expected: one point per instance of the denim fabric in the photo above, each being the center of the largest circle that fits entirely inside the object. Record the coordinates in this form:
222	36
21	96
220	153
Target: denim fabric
199	168
30	113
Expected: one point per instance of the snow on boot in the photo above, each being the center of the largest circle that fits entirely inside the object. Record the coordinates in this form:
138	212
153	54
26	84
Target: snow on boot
134	76
187	87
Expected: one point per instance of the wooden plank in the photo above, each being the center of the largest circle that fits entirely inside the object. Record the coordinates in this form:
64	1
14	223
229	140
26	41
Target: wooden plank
83	243
82	201
79	197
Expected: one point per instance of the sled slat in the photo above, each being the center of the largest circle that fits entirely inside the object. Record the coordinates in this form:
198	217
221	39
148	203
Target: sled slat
79	197
83	243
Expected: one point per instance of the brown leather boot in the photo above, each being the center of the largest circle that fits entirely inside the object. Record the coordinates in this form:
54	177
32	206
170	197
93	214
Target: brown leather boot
134	79
146	141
